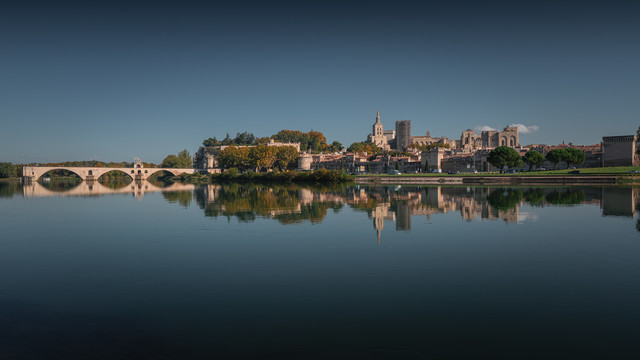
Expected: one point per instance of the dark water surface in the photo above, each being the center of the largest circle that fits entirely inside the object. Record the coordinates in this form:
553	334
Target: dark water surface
258	271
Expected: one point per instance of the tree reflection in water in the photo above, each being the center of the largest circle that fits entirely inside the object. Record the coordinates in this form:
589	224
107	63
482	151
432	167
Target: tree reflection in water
288	204
505	199
181	197
291	204
567	198
9	188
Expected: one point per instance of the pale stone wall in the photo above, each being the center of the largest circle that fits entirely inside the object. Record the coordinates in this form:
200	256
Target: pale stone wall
304	162
433	157
489	139
619	150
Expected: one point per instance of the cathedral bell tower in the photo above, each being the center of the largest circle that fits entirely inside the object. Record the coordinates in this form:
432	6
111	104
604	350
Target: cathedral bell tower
377	127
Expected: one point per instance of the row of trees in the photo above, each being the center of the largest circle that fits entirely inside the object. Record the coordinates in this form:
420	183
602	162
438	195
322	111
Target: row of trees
312	140
7	170
570	156
245	138
258	157
369	148
505	156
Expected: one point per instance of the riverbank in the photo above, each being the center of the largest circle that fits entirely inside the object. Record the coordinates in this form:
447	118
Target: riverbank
320	176
497	180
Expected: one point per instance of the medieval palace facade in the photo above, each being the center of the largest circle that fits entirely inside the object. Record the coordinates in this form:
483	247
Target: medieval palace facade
401	138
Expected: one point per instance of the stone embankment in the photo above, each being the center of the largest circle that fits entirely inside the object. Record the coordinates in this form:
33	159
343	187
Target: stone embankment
487	180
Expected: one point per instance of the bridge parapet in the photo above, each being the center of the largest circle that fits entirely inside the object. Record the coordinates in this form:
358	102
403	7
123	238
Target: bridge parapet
33	173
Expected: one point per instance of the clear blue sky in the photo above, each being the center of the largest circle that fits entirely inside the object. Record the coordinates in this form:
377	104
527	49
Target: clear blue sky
116	80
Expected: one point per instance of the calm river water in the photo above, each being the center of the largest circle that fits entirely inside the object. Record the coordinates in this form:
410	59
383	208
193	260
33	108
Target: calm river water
259	271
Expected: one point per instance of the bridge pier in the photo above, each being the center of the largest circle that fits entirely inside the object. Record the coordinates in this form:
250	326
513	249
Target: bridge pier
28	179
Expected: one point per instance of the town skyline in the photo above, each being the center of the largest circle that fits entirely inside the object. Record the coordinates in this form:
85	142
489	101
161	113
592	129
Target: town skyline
112	82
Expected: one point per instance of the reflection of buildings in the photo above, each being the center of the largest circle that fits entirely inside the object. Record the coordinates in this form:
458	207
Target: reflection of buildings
293	204
379	214
619	201
401	205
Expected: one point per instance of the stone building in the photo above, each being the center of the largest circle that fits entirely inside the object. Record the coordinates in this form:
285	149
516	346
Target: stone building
428	140
401	138
304	161
379	136
619	150
205	158
439	158
403	134
470	140
270	143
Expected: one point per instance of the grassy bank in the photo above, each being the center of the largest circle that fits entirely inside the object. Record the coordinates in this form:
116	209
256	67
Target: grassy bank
318	176
621	171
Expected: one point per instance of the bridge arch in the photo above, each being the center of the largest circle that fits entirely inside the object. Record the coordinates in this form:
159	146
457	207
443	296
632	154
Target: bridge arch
35	174
157	170
109	171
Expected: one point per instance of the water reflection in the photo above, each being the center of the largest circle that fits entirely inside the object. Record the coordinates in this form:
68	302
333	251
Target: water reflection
9	189
94	188
294	204
291	204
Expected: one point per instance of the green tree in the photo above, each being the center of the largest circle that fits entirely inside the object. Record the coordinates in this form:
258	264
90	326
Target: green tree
245	138
369	148
234	157
171	161
210	142
574	156
184	159
532	158
336	146
504	156
313	140
556	156
285	156
263	140
7	170
262	157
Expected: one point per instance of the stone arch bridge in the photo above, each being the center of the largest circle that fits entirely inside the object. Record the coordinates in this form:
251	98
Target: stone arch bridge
31	173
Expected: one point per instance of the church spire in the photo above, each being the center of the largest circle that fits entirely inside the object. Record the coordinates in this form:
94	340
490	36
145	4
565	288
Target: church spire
377	116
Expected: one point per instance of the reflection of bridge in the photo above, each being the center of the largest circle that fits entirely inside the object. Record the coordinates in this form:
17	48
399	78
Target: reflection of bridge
90	188
137	172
